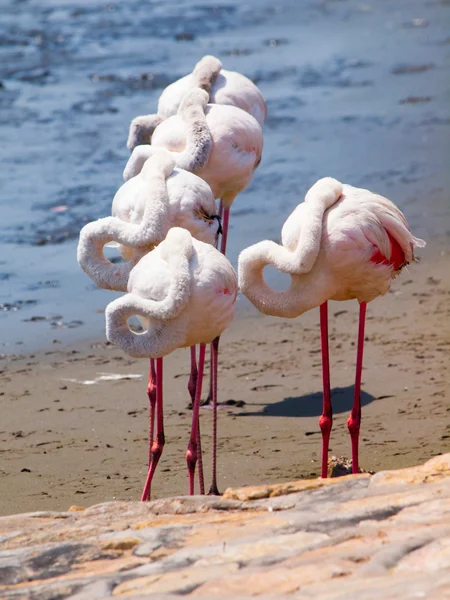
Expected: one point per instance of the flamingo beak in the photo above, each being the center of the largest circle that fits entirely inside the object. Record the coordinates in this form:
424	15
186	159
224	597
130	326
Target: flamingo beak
220	230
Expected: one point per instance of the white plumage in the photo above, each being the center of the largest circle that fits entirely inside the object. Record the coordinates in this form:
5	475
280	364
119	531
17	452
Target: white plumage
235	152
326	246
184	288
144	209
223	87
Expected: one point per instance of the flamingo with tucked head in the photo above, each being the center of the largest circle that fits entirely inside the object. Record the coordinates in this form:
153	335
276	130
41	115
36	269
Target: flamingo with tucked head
185	292
222	86
144	209
341	243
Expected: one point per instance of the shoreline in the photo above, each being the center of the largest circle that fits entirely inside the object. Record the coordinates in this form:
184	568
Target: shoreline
64	442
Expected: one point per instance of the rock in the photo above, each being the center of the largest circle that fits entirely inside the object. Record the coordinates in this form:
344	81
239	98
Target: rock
433	470
357	536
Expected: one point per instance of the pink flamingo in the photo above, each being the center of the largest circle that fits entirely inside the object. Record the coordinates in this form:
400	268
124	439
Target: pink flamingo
223	87
341	243
185	291
144	209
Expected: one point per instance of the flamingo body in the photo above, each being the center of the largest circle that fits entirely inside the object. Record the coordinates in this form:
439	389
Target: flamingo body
223	88
190	204
237	143
230	88
186	292
360	245
144	209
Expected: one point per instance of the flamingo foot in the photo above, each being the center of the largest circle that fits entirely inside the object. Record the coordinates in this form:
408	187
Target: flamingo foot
156	452
325	424
213	490
353	424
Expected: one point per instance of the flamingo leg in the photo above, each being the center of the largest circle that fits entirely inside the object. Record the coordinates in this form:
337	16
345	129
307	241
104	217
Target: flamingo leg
158	442
226	220
192	385
213	490
354	420
151	393
222	249
224	215
326	420
201	479
192	451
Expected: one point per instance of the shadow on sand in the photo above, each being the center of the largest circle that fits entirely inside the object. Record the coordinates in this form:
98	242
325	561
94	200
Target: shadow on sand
310	405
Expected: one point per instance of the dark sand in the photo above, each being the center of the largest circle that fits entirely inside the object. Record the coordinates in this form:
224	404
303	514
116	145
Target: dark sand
65	443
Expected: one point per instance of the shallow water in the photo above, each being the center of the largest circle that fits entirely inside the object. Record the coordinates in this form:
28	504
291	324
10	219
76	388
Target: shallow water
359	91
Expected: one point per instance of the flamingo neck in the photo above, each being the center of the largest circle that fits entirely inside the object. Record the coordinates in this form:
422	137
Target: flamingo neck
305	291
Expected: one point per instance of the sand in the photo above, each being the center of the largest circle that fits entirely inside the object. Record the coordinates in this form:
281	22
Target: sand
64	442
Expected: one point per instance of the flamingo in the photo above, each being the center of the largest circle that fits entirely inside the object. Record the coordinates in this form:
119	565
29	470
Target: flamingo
236	149
223	87
341	243
186	291
144	209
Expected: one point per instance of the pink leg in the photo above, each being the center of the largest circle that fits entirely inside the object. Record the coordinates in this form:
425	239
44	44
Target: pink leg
158	443
191	454
326	420
226	219
151	393
224	215
214	356
222	249
201	479
192	385
354	420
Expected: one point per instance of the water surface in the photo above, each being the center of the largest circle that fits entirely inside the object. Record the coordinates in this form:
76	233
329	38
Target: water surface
358	91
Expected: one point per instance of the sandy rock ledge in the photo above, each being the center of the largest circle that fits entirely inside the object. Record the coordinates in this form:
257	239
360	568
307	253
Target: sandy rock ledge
365	537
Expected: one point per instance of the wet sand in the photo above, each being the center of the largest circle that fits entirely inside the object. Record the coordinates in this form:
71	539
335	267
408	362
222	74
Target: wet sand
64	442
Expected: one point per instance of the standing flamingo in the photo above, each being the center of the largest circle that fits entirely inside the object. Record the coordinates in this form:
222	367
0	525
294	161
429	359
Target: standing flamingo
223	87
144	209
341	243
186	291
